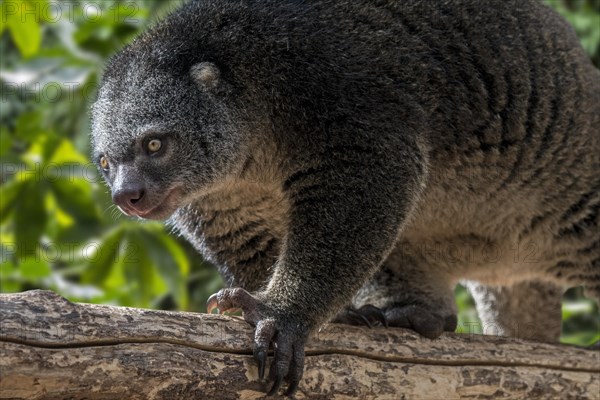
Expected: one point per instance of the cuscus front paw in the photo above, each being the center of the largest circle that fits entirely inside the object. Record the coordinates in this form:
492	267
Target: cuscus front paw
420	319
287	337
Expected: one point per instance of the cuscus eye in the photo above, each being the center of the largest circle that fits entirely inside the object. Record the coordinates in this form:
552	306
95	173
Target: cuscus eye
154	145
104	163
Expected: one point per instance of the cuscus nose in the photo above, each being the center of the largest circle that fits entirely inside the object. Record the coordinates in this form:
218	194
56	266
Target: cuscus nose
128	196
128	188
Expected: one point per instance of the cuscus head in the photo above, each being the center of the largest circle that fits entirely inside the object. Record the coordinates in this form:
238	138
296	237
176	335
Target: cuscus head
161	126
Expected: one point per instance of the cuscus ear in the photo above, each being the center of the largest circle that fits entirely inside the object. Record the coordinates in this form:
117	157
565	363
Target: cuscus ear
205	74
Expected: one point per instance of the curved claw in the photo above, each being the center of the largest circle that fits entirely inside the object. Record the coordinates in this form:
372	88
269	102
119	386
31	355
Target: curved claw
292	388
366	315
360	316
261	359
230	301
419	319
296	369
288	363
276	385
288	342
212	303
375	313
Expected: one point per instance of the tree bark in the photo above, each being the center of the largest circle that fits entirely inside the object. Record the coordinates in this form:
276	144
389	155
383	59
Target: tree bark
51	348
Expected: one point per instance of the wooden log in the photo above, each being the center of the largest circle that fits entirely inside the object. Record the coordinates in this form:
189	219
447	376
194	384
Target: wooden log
51	348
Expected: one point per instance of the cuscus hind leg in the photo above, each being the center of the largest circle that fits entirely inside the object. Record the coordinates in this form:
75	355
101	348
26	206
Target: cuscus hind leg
404	293
526	310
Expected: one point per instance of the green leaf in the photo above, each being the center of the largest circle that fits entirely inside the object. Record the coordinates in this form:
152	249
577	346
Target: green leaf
66	153
143	270
170	261
34	268
125	271
103	260
7	269
24	26
4	14
30	217
28	126
10	286
9	278
5	140
9	193
74	196
116	281
41	150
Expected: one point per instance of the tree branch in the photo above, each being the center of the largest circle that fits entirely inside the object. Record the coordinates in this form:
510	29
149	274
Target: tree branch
51	348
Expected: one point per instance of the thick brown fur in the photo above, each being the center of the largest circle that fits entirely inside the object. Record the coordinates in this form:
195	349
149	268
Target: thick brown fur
375	150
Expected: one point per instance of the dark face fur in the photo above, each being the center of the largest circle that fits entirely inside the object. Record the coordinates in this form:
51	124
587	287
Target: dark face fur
159	131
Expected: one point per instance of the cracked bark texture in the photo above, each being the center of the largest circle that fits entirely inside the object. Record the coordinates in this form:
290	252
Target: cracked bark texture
51	348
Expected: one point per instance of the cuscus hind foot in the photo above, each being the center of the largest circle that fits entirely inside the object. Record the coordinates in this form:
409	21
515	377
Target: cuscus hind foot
423	321
366	315
286	333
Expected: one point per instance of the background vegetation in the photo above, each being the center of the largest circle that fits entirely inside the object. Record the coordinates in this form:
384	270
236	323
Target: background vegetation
58	228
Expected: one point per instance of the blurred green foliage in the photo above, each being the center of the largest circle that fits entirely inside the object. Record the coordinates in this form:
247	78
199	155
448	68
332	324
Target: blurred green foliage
584	16
58	228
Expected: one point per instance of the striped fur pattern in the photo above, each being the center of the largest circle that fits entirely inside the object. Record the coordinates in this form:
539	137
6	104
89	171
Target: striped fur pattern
378	149
238	226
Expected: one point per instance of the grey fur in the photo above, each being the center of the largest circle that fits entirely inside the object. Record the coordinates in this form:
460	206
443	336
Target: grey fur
340	132
527	310
205	74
